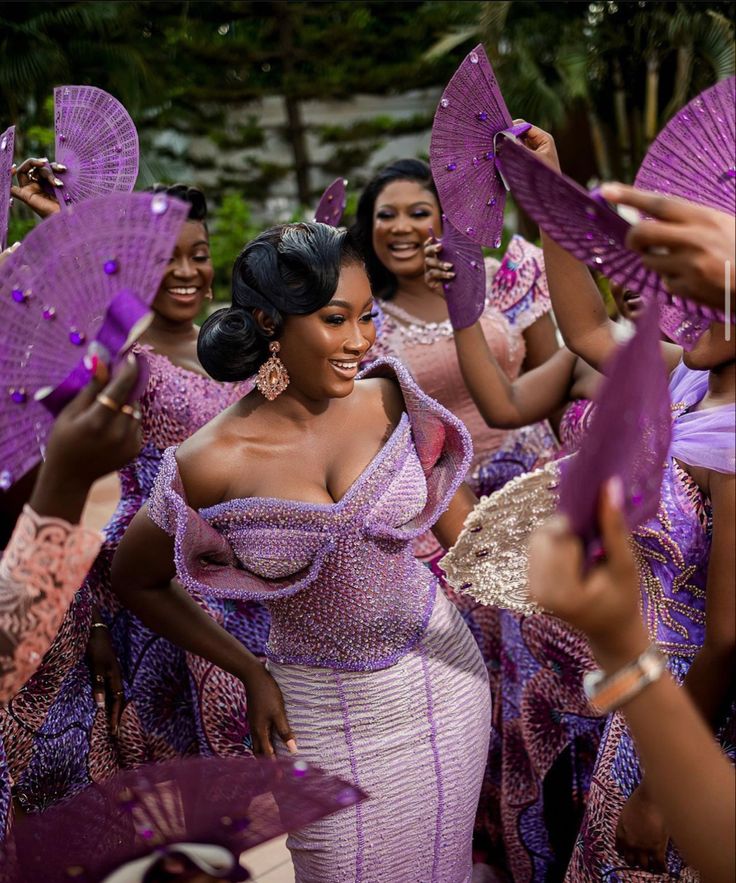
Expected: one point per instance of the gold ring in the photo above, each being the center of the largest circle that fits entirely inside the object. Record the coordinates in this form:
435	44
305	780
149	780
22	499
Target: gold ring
131	411
107	401
99	679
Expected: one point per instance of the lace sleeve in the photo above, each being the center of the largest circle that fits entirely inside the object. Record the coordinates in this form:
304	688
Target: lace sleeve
44	564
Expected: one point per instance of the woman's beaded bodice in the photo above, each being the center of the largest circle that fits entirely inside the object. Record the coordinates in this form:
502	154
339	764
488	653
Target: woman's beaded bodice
340	580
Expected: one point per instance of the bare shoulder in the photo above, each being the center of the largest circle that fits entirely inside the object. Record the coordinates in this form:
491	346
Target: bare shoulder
205	462
383	395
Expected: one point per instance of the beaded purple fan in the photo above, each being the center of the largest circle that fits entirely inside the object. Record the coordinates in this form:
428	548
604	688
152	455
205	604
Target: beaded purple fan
231	803
629	436
7	143
96	140
591	231
470	114
693	156
332	203
85	276
466	293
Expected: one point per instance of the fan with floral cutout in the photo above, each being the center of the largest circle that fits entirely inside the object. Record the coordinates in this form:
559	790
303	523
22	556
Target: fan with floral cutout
588	228
84	277
470	114
97	142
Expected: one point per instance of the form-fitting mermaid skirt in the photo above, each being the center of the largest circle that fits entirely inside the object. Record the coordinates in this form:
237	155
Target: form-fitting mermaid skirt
414	737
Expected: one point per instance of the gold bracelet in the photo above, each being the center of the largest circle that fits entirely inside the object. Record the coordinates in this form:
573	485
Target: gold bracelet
98	625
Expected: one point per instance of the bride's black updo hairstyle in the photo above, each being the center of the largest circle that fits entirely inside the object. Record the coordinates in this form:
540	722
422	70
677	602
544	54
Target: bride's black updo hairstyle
289	270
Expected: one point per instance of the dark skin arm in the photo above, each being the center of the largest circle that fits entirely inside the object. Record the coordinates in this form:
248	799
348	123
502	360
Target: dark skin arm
585	326
690	779
450	523
143	577
541	342
641	832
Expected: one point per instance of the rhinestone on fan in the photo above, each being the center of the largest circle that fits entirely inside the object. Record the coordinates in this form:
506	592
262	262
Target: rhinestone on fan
159	204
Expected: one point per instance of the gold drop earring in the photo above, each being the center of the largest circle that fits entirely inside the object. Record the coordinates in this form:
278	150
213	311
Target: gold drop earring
272	378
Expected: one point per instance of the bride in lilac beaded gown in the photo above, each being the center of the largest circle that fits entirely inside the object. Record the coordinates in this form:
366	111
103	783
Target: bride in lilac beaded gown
58	737
309	501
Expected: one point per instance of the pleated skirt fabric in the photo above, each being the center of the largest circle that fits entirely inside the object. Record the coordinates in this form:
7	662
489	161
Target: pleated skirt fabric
414	737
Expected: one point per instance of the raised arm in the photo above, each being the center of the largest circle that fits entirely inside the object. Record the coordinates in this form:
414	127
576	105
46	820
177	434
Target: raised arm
533	396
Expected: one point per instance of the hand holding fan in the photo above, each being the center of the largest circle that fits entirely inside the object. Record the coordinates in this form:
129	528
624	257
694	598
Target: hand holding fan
589	229
332	204
7	143
86	276
629	437
97	142
466	293
470	114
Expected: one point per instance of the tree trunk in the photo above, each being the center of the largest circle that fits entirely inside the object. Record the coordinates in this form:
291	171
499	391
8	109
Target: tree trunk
683	75
623	131
294	121
651	106
600	148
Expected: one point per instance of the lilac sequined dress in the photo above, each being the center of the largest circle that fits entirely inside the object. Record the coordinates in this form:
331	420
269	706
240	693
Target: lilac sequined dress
383	683
175	703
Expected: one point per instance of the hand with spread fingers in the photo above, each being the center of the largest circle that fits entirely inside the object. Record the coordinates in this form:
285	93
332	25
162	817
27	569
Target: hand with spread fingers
95	434
29	189
689	245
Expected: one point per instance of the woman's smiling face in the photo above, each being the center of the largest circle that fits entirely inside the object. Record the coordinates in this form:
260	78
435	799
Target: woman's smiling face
403	216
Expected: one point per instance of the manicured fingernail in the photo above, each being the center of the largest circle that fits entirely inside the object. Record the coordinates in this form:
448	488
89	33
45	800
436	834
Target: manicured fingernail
58	182
100	701
59	167
610	191
615	489
291	746
446	266
43	159
90	362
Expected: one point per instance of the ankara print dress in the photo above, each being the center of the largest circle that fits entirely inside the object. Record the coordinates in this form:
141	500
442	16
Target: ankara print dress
176	704
382	681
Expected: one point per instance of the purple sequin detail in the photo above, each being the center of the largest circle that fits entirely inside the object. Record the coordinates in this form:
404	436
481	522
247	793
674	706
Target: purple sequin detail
340	580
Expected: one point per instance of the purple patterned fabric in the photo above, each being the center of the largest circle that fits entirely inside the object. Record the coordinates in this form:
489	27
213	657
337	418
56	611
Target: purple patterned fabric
176	703
383	684
547	746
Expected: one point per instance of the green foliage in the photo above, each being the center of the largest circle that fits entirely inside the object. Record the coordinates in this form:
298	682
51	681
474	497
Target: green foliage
231	226
378	127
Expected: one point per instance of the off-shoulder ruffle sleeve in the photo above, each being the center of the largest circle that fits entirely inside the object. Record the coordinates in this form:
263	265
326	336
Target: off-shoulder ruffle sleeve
204	556
518	288
442	443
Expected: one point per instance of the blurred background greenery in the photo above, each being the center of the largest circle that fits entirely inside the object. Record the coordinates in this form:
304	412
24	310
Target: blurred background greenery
263	103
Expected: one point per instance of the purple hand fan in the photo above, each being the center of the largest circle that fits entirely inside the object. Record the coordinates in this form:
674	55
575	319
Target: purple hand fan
7	143
470	114
332	203
466	293
693	156
629	436
175	807
86	276
96	140
590	230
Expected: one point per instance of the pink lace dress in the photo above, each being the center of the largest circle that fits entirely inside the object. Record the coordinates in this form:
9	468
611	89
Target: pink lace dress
44	563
